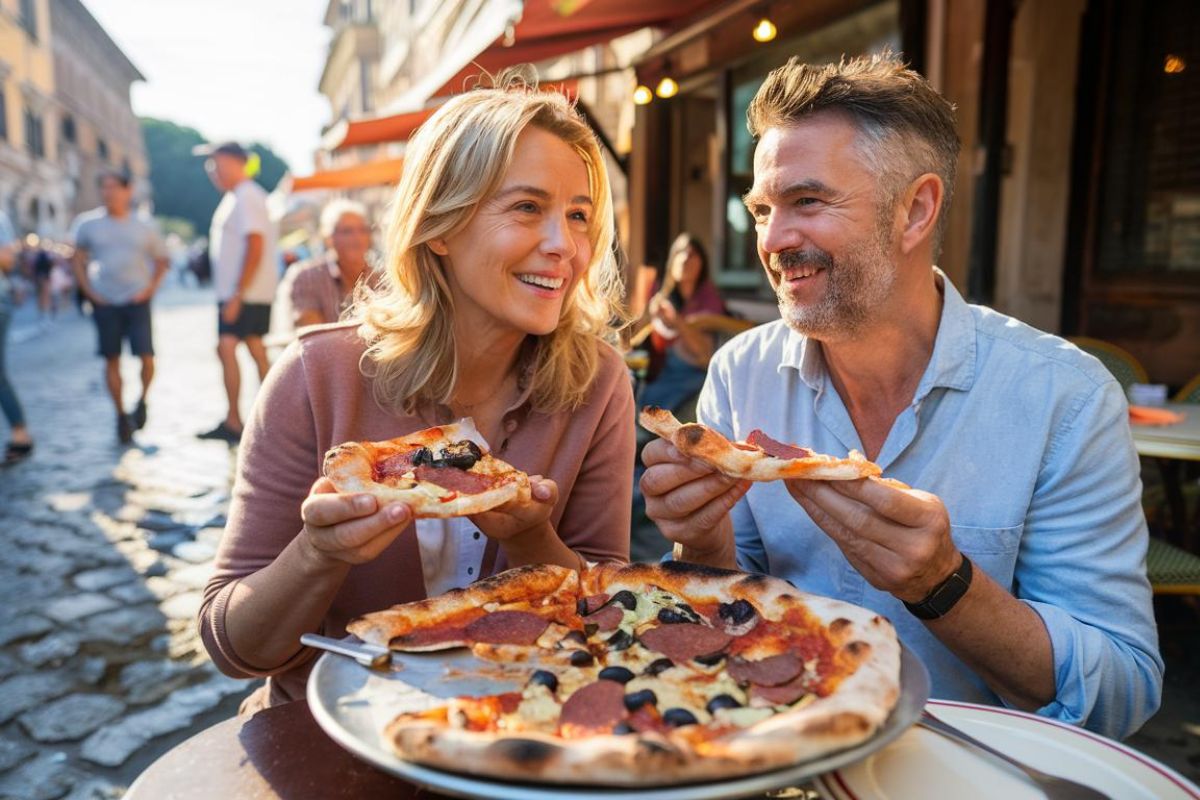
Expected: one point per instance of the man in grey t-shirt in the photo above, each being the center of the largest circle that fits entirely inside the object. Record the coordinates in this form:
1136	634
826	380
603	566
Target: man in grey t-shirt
119	261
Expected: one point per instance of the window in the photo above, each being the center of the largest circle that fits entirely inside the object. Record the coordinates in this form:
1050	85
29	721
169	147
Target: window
1148	215
102	150
29	17
34	139
68	128
3	114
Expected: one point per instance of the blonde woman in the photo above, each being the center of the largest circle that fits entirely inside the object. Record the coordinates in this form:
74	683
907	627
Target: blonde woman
499	290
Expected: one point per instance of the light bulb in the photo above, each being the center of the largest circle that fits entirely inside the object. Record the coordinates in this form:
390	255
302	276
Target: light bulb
667	88
1173	65
642	95
764	31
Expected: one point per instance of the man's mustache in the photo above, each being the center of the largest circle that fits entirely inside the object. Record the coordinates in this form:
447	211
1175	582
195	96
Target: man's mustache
791	259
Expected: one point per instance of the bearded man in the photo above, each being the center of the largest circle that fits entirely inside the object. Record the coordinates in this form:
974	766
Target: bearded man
1015	569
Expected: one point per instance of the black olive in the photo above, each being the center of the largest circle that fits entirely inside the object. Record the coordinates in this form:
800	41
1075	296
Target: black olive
678	717
422	456
618	674
581	658
673	616
590	628
624	598
574	637
543	678
621	640
658	665
622	729
737	612
635	700
710	659
462	455
581	607
721	701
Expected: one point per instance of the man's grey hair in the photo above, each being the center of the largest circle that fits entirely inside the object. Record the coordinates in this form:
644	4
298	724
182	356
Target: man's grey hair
334	210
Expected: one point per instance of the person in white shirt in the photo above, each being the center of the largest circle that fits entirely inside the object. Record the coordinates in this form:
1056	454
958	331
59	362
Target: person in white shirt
242	251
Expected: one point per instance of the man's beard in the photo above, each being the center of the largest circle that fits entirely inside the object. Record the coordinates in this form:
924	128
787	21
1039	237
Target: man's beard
856	285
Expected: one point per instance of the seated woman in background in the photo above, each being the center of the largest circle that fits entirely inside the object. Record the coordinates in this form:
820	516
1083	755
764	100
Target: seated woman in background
679	350
498	290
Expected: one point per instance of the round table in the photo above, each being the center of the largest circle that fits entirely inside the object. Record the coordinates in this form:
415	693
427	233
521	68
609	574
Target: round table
279	753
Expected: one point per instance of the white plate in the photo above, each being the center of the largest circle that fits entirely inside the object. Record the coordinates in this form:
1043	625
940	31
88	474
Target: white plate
353	704
922	764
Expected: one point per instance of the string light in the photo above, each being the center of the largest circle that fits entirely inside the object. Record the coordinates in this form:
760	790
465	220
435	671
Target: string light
667	87
642	95
1173	65
764	31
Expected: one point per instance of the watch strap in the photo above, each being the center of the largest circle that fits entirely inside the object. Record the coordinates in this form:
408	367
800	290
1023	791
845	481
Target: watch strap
945	595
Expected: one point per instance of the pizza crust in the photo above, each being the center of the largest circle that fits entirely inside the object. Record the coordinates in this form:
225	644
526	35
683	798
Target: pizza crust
746	461
351	468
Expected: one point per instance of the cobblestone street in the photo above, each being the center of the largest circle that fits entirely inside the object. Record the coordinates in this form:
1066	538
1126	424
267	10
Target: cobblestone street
104	551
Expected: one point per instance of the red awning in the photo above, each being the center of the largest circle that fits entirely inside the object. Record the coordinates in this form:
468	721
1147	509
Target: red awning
373	130
400	127
372	173
552	28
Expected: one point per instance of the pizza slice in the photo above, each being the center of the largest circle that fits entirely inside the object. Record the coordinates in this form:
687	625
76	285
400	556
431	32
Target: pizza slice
759	457
440	472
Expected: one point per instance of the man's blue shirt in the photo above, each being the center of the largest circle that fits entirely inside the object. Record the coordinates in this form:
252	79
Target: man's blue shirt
1026	441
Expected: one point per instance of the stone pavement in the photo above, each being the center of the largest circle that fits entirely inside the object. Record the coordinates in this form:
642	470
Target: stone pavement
104	551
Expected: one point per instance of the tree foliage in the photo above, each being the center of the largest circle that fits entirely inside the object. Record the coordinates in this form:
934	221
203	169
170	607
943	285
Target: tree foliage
181	187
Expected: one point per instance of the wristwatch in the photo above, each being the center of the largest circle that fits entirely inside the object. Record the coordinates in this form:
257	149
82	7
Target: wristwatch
944	596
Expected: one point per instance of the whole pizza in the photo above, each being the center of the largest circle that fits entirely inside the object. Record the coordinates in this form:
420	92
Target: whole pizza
643	674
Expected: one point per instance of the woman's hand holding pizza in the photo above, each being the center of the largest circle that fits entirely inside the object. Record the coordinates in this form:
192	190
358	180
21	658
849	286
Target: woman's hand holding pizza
523	514
898	539
690	503
349	528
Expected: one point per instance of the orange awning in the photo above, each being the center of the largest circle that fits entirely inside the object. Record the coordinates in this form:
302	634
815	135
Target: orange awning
372	173
394	128
548	29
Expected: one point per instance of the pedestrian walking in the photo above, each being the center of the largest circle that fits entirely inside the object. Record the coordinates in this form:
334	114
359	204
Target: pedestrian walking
20	443
119	261
242	249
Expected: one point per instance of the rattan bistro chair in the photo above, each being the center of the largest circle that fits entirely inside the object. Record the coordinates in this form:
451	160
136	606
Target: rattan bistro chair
1171	569
1119	361
1190	393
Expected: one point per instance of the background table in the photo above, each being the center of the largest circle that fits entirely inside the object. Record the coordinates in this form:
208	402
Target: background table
1171	444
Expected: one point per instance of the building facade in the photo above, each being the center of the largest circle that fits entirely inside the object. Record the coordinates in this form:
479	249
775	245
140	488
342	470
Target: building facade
32	190
96	126
65	114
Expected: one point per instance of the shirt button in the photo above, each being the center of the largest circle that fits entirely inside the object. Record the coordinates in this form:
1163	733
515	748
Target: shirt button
475	535
470	570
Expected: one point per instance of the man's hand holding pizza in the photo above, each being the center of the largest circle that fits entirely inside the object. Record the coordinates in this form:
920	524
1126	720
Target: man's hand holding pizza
349	528
690	502
898	539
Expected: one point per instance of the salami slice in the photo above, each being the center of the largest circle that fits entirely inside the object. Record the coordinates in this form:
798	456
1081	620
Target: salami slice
606	619
596	707
394	466
593	602
685	640
774	448
454	479
507	627
783	695
772	671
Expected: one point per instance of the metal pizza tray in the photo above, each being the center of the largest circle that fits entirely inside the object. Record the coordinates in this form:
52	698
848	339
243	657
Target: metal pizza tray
353	704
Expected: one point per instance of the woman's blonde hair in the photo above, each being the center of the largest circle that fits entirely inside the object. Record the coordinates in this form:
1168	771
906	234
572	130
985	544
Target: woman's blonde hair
457	159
